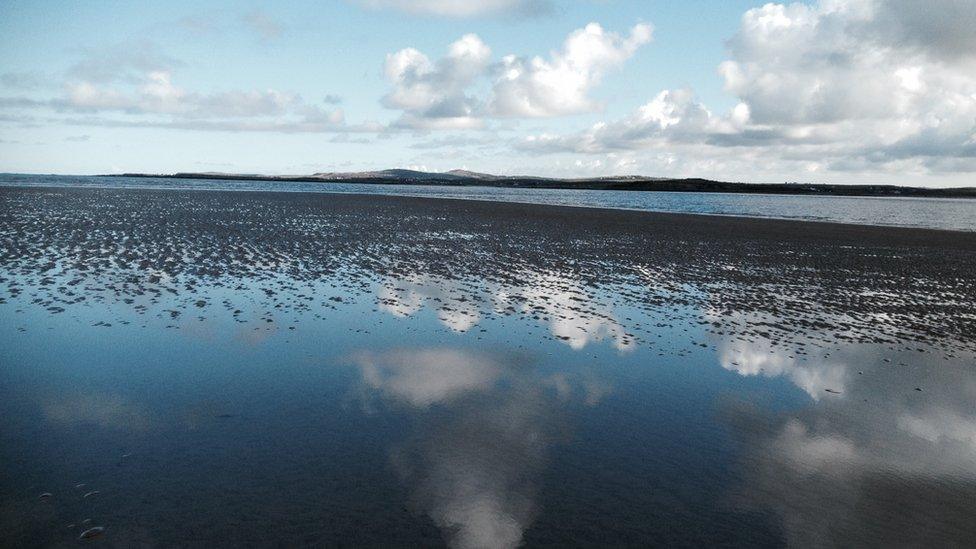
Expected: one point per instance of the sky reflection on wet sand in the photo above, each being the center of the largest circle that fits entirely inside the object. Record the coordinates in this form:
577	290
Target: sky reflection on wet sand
294	378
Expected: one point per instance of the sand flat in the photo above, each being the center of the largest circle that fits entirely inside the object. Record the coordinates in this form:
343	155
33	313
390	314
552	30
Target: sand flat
257	368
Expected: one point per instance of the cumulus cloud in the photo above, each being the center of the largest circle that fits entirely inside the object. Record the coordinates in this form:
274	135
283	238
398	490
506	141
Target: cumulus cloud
836	85
673	115
940	28
439	94
434	94
540	87
819	90
463	8
836	62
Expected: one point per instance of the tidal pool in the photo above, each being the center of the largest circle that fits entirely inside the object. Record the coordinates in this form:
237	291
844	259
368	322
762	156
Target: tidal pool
225	369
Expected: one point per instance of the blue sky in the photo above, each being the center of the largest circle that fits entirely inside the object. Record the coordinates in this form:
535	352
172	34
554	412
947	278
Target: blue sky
876	91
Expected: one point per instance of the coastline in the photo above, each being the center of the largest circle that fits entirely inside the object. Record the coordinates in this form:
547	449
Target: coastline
621	183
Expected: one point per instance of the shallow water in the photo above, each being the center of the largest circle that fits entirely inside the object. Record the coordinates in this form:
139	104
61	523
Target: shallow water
932	213
227	370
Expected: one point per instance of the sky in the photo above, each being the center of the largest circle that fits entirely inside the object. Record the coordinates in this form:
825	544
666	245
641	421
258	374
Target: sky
829	91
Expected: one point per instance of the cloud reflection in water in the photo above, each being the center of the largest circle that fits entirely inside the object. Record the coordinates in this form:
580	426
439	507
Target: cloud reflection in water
570	312
485	426
882	461
103	410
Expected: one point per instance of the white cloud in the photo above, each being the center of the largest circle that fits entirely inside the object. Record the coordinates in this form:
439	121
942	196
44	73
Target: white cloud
673	115
812	64
156	93
940	28
821	90
462	8
560	85
438	95
840	85
133	85
434	94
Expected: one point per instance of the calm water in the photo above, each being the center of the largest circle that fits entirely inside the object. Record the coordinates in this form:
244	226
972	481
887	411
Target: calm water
933	213
232	390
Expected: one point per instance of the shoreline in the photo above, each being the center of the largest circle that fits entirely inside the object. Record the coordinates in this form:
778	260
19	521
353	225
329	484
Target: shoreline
610	183
524	203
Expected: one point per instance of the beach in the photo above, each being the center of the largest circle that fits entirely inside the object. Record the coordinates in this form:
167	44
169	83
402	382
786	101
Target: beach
801	272
390	370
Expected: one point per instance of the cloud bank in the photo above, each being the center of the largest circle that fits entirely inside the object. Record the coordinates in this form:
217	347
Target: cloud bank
837	85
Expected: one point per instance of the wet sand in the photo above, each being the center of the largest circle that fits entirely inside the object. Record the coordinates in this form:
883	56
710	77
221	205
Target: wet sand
624	377
820	282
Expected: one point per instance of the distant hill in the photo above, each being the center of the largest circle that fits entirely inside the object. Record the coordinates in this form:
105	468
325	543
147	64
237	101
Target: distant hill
618	183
